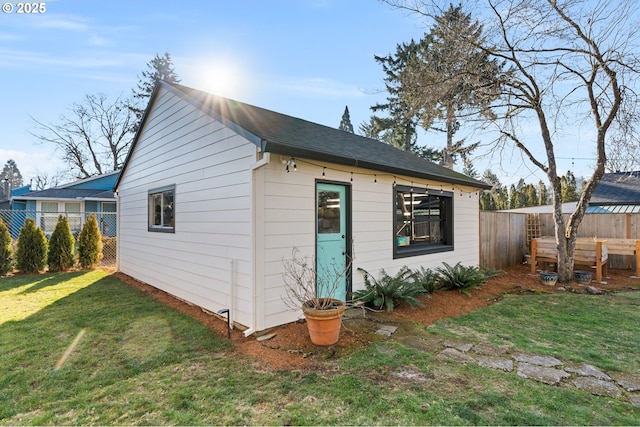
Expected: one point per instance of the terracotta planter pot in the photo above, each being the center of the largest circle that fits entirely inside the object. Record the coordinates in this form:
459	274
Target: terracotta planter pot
324	324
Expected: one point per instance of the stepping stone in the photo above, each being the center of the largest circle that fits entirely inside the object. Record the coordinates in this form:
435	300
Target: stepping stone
386	330
597	387
265	337
629	382
458	356
586	370
462	346
533	359
543	374
495	362
487	350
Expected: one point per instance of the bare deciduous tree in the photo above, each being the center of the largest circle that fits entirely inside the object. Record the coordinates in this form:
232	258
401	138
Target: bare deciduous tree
43	180
94	138
570	62
623	146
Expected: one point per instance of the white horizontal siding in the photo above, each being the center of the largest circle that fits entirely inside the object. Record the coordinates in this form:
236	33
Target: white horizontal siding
289	221
210	167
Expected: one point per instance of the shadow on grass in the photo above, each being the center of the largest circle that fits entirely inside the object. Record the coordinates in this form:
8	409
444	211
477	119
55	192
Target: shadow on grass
36	281
126	331
52	279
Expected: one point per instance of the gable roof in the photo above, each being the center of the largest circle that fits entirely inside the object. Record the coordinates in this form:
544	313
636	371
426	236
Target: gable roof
619	188
97	187
279	133
67	193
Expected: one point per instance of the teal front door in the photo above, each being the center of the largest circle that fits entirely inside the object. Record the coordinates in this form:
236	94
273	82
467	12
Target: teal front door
331	241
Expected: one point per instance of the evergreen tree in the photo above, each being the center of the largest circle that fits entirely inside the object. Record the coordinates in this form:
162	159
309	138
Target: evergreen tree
6	251
568	188
402	122
531	195
10	178
345	123
468	168
90	243
31	253
543	194
502	201
514	198
487	201
61	247
448	79
159	68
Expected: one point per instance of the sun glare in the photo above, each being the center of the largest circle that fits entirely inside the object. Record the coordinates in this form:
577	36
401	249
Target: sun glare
223	77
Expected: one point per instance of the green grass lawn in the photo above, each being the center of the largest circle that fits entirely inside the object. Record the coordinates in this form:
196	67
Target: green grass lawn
85	349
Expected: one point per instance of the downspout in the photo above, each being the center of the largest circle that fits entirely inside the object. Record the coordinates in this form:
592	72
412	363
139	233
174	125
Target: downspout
231	314
117	196
254	297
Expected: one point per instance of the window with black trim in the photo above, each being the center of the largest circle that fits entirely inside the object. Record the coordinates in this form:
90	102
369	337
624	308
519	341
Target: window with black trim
162	209
423	222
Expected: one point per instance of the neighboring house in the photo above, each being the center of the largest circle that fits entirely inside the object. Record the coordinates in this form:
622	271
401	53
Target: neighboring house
215	194
617	192
76	200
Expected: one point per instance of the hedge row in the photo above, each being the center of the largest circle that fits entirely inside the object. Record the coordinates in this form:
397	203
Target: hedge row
33	252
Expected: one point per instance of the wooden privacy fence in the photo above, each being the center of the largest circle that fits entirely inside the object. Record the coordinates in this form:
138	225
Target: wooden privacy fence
503	240
503	235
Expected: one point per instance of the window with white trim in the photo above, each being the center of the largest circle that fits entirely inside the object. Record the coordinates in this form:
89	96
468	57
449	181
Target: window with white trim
423	222
162	209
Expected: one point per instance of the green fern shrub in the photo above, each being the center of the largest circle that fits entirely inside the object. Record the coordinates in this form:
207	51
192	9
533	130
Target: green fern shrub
427	278
6	251
90	243
61	247
390	291
460	277
31	253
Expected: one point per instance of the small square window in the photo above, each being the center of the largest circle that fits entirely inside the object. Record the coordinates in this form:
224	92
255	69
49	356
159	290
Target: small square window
162	209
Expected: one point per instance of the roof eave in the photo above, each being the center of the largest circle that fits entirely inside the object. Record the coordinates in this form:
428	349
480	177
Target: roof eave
353	162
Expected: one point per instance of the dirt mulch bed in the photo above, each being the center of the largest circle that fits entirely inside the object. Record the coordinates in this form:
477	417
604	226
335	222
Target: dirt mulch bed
292	349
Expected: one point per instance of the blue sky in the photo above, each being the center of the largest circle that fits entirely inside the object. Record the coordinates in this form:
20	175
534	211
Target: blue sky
306	58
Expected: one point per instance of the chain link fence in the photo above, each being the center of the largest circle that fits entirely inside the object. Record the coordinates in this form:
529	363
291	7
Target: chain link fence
46	221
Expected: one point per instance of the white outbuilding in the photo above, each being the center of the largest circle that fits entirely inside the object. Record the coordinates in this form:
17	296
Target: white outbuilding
216	193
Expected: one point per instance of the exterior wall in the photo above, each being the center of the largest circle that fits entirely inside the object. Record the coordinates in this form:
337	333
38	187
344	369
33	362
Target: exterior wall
287	205
208	259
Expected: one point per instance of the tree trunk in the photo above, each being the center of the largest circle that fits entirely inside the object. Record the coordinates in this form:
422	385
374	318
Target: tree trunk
447	154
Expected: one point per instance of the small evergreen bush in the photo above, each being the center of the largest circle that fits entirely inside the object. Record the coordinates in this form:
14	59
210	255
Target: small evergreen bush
460	277
427	278
31	253
6	251
90	243
61	247
390	290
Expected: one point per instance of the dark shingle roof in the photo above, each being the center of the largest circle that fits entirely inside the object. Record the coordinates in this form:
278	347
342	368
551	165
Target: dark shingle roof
617	188
290	136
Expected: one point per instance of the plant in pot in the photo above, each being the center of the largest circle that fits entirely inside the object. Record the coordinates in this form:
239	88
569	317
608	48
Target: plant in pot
315	295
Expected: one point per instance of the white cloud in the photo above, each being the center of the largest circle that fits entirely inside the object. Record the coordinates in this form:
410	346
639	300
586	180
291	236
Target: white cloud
30	164
62	22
